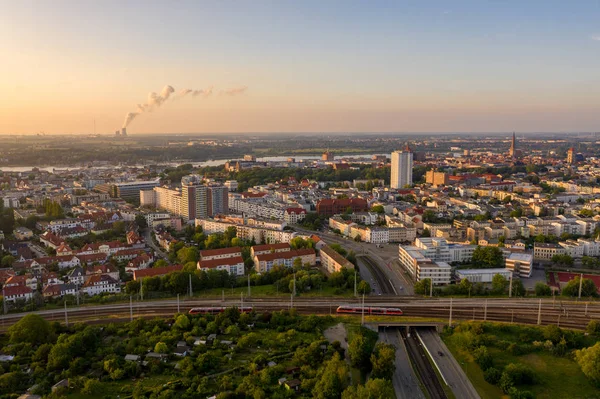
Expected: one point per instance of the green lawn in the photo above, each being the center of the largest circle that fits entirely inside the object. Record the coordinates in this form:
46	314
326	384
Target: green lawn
558	377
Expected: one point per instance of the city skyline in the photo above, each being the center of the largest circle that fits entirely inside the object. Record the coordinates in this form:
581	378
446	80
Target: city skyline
300	67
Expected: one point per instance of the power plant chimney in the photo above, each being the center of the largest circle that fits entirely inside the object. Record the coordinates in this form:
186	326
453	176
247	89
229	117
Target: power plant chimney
124	132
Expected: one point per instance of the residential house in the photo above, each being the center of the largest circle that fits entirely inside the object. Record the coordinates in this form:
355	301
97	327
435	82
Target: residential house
265	262
100	284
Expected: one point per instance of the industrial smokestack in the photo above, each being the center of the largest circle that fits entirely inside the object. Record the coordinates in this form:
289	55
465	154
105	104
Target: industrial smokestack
124	132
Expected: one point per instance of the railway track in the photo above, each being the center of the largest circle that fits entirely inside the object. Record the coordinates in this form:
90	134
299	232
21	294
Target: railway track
570	315
384	283
422	366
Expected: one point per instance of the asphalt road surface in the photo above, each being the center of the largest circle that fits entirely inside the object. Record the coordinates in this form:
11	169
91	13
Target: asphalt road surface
157	250
385	257
447	365
405	381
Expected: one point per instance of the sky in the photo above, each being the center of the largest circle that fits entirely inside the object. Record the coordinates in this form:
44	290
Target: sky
300	66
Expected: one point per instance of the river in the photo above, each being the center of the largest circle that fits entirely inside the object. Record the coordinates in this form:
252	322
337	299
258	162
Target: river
213	162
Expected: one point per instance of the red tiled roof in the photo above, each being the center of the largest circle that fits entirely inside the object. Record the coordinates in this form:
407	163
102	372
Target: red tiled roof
221	251
96	278
211	264
91	257
268	247
128	251
156	271
285	255
16	290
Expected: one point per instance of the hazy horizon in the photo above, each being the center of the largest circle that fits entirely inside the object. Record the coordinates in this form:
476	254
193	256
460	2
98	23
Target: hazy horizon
299	67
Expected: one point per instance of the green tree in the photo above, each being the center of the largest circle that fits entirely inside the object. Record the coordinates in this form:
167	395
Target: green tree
542	289
518	289
593	327
589	361
363	288
487	257
465	286
7	260
588	288
378	209
359	350
91	387
160	263
161	347
188	254
32	329
182	322
422	287
332	380
141	221
563	259
499	284
375	388
383	361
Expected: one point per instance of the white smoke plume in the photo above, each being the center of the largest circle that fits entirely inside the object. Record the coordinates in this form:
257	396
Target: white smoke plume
154	101
195	93
234	91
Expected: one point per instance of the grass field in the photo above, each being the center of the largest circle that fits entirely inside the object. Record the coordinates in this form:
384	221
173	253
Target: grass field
557	377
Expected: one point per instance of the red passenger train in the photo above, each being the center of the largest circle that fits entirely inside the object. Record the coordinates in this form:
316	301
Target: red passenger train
218	309
369	310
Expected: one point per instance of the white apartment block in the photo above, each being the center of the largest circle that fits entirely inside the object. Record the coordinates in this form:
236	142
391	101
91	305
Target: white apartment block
590	247
402	234
543	251
265	262
420	266
56	226
247	232
233	265
402	168
332	261
573	248
255	208
521	264
101	283
438	249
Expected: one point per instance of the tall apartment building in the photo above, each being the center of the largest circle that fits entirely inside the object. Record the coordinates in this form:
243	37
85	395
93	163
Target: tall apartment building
194	202
402	168
217	200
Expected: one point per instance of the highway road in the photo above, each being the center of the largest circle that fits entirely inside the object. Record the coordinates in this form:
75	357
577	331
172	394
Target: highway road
448	367
385	257
406	384
423	367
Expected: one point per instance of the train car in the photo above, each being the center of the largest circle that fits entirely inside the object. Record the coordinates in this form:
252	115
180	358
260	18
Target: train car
387	311
350	309
369	310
